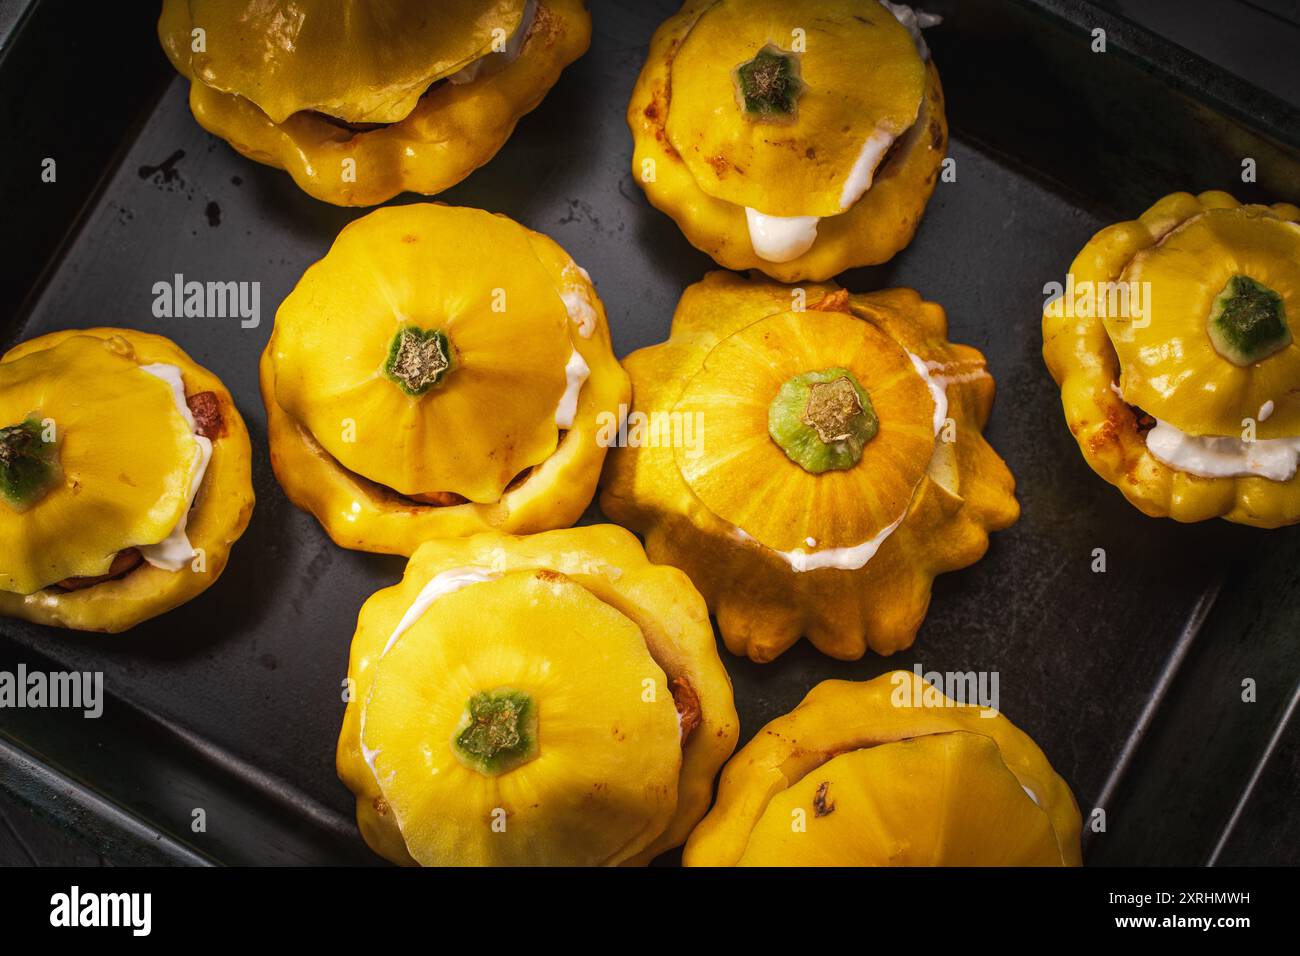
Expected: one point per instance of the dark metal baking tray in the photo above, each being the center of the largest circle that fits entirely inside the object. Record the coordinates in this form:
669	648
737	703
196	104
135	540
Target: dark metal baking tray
1130	680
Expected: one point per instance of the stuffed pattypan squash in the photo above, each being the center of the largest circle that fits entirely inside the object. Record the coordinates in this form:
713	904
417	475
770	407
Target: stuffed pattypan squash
442	371
798	138
362	99
545	700
811	470
125	479
889	772
1173	347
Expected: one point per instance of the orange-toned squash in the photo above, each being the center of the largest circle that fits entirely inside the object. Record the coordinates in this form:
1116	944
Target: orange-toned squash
844	555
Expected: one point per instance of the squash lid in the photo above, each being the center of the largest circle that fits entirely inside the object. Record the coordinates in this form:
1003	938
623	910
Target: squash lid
772	102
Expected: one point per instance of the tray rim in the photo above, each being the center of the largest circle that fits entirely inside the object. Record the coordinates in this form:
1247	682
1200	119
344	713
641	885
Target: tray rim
128	837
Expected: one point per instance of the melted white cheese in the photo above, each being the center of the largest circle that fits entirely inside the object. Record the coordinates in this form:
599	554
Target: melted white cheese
938	389
1213	456
439	585
780	238
492	62
175	551
938	372
864	167
915	21
575	372
843	559
1222	456
577	300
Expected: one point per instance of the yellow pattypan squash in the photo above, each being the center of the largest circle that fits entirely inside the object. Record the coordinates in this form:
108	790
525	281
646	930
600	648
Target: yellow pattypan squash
1173	348
888	772
103	476
812	465
360	101
798	138
545	700
442	371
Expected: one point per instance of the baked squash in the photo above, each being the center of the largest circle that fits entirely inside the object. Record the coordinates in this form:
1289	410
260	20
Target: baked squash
811	470
360	101
125	478
888	772
798	138
545	700
442	371
1172	344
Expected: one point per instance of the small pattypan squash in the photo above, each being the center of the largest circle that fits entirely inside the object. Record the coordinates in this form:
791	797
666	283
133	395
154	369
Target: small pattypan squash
442	371
888	772
545	700
362	99
125	479
811	470
798	138
1173	347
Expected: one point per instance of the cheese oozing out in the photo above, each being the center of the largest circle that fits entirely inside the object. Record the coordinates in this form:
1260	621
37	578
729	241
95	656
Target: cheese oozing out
576	296
780	238
498	60
175	551
576	371
1222	456
1216	456
440	585
915	21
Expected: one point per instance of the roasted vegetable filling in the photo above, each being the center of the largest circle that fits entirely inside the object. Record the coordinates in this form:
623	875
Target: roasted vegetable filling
123	564
688	706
